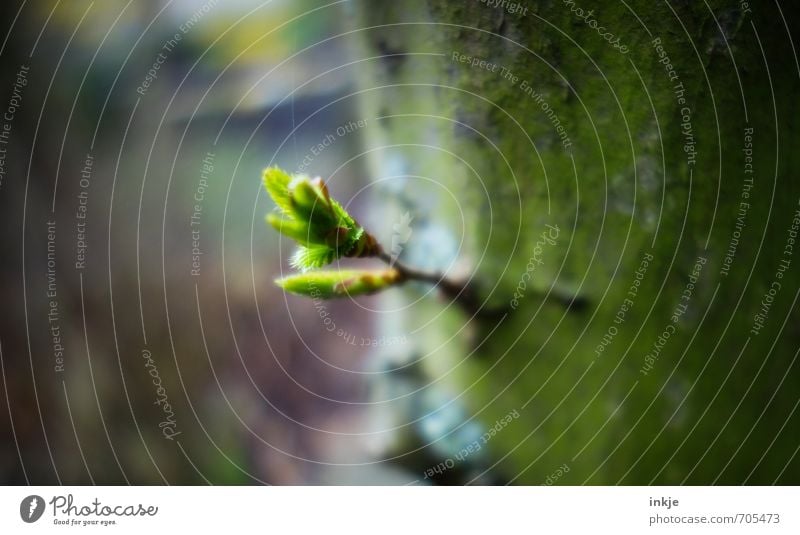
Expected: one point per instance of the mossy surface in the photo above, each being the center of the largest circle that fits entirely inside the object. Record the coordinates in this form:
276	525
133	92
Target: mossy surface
622	190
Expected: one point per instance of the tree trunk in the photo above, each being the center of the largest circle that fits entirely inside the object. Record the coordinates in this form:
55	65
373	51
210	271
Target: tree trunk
613	166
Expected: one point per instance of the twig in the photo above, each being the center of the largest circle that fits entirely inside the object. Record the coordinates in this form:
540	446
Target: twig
461	292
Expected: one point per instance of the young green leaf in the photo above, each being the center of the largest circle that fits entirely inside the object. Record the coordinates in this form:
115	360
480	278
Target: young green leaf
276	181
310	197
316	256
296	230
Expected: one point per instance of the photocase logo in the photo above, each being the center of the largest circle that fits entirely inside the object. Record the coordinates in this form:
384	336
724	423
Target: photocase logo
400	236
31	508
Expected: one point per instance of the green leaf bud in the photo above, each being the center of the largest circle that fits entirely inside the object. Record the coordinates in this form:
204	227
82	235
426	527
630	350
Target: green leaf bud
332	284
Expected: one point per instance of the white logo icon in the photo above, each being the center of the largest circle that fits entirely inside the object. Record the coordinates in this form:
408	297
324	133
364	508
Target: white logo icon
31	508
402	233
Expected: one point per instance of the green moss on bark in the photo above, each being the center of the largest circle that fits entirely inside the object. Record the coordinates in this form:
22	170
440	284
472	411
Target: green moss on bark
507	165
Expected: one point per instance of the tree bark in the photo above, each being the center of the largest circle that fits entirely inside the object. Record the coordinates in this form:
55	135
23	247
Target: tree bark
565	166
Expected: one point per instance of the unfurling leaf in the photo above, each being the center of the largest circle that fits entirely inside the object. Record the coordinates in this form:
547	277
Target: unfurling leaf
312	257
323	229
277	183
291	228
331	284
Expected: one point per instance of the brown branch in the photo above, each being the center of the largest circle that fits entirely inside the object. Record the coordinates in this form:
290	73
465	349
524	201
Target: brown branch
462	293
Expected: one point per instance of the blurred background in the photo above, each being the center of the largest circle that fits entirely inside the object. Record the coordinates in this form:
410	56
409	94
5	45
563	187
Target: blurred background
146	126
